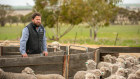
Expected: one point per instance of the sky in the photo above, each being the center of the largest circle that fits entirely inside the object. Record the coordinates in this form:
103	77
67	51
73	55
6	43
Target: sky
31	2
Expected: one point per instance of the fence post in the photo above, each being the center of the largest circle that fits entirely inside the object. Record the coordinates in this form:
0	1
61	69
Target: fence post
116	39
97	56
1	50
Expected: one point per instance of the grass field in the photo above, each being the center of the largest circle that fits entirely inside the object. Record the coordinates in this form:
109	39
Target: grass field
128	35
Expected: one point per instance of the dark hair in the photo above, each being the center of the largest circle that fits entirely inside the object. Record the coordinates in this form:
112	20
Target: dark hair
35	14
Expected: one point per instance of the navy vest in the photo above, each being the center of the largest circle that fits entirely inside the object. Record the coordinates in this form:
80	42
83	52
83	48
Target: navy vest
35	40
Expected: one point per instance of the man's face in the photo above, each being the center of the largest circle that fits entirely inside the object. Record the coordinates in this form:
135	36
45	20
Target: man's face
37	20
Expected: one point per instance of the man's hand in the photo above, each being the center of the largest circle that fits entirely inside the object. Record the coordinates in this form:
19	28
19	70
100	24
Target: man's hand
45	53
24	55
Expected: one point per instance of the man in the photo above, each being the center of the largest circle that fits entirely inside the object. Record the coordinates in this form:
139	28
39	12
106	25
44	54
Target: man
33	40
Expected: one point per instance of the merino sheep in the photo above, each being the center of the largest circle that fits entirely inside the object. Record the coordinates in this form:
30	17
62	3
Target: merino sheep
103	64
138	74
114	68
89	76
49	76
90	64
80	75
121	72
5	43
115	77
109	58
10	75
28	70
55	45
97	73
105	72
132	76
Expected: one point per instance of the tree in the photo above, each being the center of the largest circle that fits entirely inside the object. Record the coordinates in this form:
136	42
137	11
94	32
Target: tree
4	11
25	18
99	14
12	19
55	12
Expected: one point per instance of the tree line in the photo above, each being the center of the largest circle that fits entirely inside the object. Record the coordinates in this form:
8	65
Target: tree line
96	13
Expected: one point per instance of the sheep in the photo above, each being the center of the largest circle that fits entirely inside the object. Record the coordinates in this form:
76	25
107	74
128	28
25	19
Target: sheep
10	75
91	65
80	75
138	74
121	72
89	76
135	75
97	73
28	70
5	43
55	45
115	77
114	68
49	76
103	64
120	60
132	76
105	72
133	60
109	58
124	56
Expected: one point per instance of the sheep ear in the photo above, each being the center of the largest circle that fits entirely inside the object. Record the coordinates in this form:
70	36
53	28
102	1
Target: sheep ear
23	71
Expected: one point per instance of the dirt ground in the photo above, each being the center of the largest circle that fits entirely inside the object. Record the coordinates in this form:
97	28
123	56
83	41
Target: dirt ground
17	43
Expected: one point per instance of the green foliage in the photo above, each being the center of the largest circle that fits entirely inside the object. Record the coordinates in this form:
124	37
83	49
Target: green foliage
128	35
73	12
4	11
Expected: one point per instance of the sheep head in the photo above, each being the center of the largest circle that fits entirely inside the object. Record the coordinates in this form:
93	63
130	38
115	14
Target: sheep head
90	64
28	70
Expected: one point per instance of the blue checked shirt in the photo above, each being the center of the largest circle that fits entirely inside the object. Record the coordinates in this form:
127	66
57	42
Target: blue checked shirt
24	39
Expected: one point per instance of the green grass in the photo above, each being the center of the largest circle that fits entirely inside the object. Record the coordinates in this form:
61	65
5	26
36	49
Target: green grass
128	35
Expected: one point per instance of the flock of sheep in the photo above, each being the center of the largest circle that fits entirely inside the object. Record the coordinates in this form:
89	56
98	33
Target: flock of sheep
28	73
123	67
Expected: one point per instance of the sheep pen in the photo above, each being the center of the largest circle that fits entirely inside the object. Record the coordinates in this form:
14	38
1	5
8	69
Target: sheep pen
56	62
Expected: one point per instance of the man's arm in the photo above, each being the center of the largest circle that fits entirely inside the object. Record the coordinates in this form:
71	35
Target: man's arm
23	41
45	51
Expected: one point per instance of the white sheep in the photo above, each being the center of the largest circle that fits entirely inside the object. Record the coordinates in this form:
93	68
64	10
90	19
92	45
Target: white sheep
121	72
80	75
105	72
132	76
91	65
97	73
109	58
49	76
28	70
114	68
89	76
103	64
138	74
115	77
5	43
10	75
55	45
